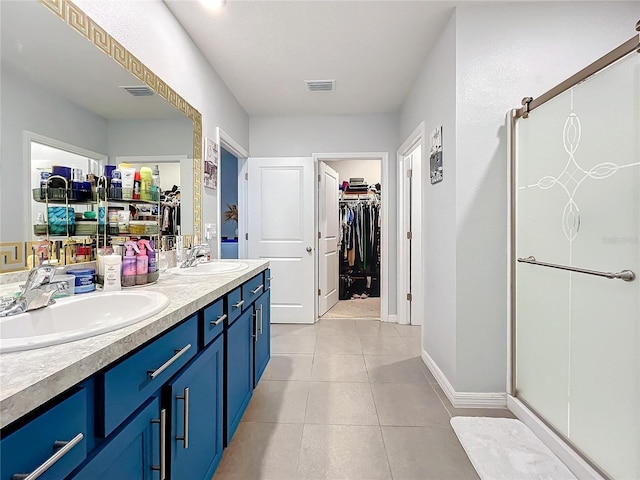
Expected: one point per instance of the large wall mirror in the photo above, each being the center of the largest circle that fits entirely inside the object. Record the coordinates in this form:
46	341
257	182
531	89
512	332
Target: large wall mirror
67	100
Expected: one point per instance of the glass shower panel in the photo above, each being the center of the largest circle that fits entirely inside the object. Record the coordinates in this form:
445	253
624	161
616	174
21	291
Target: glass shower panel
578	204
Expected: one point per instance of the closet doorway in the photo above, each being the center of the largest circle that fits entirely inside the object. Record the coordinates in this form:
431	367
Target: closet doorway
349	237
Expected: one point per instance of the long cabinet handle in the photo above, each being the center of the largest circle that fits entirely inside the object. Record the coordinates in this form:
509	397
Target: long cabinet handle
154	373
260	310
255	326
49	462
185	412
257	289
626	275
163	444
239	304
219	320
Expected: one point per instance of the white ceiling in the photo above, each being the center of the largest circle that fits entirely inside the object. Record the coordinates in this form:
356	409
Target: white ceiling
265	50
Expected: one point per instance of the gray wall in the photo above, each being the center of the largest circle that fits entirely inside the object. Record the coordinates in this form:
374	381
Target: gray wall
26	106
491	76
304	136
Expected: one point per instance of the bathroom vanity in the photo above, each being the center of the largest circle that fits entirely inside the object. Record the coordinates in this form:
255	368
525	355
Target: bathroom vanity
159	399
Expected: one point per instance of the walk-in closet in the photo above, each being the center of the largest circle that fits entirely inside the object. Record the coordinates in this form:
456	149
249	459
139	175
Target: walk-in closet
358	239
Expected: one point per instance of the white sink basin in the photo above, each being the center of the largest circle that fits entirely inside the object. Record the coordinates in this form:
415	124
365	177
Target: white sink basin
210	268
77	317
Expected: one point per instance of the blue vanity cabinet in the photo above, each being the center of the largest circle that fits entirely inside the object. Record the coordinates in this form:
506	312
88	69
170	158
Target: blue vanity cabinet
194	398
133	451
59	434
262	335
238	371
252	289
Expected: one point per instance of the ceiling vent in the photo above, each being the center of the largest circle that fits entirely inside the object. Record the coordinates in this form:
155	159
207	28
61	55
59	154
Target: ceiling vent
139	91
320	85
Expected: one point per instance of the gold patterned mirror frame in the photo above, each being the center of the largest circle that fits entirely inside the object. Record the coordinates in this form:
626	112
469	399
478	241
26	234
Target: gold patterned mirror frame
73	16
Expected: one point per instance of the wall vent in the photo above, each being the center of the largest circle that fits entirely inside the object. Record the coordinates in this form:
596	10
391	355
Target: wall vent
139	91
320	85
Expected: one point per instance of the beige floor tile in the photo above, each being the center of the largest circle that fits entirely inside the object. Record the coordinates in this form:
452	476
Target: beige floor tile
337	327
262	451
338	344
339	368
336	403
408	404
278	329
394	369
414	345
278	402
384	346
368	328
293	344
343	452
426	453
289	366
409	330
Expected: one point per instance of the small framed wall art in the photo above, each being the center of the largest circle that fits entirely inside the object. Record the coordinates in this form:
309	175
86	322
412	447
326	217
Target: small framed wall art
435	155
210	160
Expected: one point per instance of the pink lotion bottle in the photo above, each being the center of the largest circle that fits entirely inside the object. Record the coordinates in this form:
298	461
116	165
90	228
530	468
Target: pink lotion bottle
142	265
129	264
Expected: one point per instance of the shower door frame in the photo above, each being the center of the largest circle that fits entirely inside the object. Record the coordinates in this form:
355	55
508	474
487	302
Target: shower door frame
529	104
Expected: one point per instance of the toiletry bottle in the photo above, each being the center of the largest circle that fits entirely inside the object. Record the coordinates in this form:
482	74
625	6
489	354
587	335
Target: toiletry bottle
112	266
155	180
146	184
129	263
128	174
115	190
136	186
142	264
151	254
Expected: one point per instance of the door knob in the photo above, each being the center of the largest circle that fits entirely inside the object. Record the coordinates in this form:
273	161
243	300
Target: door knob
309	249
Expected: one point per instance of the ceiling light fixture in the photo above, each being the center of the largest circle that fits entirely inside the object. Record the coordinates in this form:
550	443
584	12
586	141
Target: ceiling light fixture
213	4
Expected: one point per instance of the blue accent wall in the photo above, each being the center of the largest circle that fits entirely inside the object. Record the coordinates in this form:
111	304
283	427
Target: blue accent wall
229	191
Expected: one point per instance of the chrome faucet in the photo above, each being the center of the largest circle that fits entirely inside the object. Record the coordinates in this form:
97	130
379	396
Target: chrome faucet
37	293
196	255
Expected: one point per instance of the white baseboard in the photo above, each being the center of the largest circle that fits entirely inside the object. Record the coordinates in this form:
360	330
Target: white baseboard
574	462
464	399
392	318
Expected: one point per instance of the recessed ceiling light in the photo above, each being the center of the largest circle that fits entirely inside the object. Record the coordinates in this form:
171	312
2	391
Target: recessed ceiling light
213	4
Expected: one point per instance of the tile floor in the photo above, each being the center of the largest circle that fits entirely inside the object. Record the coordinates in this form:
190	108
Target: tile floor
347	400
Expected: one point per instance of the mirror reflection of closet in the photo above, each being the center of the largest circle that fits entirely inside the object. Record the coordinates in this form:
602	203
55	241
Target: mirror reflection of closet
228	204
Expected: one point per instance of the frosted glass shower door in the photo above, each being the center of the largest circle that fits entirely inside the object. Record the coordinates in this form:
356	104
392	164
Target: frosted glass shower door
577	346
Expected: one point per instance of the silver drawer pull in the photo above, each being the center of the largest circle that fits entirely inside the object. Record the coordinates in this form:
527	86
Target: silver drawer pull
260	327
239	304
163	444
64	449
154	373
269	279
219	320
257	289
255	326
185	412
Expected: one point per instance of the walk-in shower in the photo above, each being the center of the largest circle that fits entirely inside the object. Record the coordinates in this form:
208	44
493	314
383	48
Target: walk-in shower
575	260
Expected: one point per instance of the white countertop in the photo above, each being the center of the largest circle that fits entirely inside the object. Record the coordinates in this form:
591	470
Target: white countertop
28	379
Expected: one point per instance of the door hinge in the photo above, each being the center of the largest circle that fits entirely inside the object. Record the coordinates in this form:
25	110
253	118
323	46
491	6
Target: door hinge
409	297
319	292
246	175
246	236
409	235
319	177
319	234
410	173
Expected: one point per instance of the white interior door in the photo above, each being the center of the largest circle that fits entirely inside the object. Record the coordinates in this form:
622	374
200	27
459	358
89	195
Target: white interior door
415	244
327	238
281	229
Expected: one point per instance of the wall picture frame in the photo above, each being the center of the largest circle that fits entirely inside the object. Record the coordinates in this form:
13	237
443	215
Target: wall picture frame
435	156
210	161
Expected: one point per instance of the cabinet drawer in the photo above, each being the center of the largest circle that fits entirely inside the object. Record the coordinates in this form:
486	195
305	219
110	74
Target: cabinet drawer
60	433
213	321
127	385
235	305
252	289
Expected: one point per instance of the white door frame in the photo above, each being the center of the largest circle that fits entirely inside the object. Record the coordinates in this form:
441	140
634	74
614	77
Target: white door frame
417	308
385	234
227	142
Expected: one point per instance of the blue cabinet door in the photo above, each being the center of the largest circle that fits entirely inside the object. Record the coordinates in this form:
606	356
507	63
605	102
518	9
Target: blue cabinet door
262	335
239	370
195	397
131	452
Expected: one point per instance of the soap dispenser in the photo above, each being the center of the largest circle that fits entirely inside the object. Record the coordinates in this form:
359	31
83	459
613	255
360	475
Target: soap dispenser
142	263
129	264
